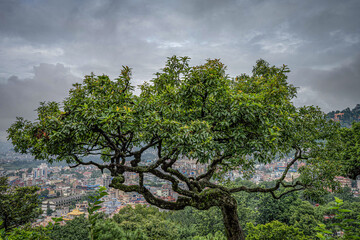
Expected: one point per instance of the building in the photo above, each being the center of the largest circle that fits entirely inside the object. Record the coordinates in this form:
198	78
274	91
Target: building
41	171
56	203
107	181
109	207
83	206
338	116
73	214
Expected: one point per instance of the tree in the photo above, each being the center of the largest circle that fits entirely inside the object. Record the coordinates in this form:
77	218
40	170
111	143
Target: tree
270	209
343	223
345	193
303	217
150	222
94	205
274	230
18	205
198	113
25	232
348	116
76	229
49	211
110	230
345	148
202	223
216	236
44	193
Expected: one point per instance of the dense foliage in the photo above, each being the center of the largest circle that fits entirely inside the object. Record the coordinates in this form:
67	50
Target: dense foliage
18	205
198	113
347	116
274	231
346	149
77	229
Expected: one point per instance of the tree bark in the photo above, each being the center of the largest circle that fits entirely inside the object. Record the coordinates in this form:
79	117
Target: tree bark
6	227
231	222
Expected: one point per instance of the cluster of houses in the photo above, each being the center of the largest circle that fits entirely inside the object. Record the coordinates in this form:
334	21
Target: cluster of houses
65	191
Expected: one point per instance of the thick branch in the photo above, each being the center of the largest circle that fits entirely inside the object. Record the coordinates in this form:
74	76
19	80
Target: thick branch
179	204
137	154
159	174
79	162
180	176
298	155
287	192
211	170
107	138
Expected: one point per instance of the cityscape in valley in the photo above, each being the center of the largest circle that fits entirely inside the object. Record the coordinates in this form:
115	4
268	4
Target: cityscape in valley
180	120
65	190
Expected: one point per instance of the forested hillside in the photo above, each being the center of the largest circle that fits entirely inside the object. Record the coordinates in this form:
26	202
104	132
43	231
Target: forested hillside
347	116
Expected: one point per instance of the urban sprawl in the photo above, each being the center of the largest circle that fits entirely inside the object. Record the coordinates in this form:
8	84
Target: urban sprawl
65	190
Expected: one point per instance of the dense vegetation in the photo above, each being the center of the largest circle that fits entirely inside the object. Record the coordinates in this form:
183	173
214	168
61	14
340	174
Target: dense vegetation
291	217
346	116
345	149
196	112
18	206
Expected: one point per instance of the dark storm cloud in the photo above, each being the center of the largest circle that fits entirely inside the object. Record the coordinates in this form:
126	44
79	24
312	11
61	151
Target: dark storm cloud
315	38
20	97
334	89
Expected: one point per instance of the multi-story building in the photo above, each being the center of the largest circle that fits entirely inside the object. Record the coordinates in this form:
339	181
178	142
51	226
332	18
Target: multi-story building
60	202
107	181
41	171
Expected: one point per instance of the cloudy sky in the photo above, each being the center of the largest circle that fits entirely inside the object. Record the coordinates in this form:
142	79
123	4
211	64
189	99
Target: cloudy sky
46	46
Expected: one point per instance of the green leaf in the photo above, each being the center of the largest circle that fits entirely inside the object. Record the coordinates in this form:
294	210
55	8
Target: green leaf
344	210
95	208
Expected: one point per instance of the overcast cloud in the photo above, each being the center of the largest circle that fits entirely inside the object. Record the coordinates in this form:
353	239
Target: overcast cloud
45	46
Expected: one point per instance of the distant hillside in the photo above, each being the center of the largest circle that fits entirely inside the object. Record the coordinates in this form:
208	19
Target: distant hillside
347	116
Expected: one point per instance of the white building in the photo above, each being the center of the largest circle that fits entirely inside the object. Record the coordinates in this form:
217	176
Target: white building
41	171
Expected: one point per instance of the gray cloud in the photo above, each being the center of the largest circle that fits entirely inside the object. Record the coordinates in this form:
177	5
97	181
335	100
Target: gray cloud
317	39
20	97
333	89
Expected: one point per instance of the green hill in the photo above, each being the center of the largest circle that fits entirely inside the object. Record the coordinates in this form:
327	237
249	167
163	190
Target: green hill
347	116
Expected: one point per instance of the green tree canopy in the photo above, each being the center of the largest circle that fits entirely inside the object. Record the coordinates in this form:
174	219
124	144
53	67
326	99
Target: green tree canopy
270	209
76	229
150	222
201	223
346	149
18	205
274	230
110	230
194	112
303	217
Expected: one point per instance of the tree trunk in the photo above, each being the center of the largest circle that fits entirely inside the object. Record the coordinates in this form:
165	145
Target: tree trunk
5	223
231	222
